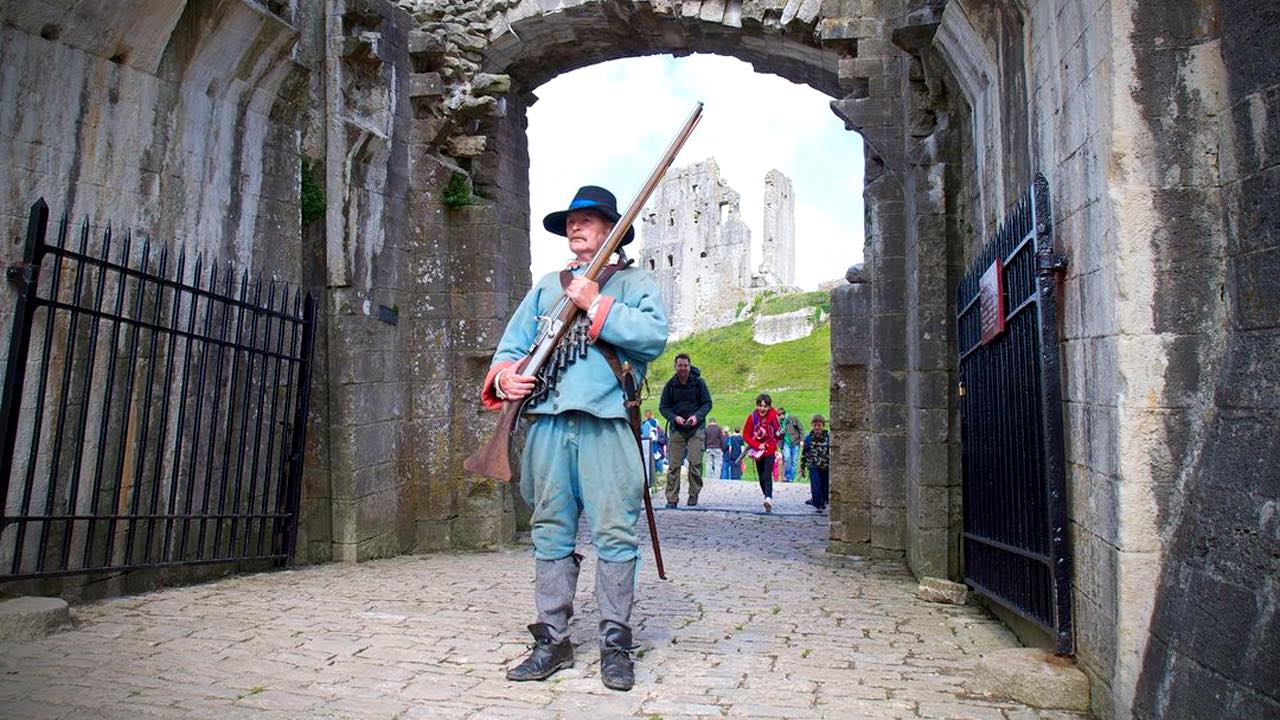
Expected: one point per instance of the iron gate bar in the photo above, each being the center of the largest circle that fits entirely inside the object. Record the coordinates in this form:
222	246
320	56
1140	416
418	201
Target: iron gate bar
98	315
1015	549
146	411
28	277
1048	267
136	464
33	449
257	430
135	332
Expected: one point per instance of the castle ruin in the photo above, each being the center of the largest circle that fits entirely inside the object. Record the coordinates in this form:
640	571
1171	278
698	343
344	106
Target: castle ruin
695	243
778	263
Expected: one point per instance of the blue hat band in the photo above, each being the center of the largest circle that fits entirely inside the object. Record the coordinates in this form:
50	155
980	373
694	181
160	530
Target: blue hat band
580	203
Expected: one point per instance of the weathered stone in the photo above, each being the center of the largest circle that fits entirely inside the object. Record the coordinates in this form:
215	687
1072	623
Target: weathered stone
695	244
779	243
425	85
774	329
942	591
1032	676
24	619
423	42
488	84
466	145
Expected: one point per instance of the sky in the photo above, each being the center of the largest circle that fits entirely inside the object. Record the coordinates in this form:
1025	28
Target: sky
751	123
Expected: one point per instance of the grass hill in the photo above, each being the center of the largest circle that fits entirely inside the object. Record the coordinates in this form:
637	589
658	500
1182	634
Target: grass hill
736	368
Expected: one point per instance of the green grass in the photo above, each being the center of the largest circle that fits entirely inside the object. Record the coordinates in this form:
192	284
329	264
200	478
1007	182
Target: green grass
796	373
770	304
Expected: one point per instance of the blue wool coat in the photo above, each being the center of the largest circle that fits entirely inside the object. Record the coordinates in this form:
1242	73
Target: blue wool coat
630	317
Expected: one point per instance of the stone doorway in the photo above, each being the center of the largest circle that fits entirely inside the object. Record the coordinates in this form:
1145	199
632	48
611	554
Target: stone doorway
887	501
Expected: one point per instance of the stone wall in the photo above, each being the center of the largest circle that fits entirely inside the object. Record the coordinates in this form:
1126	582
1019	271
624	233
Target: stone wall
1204	87
182	122
774	329
367	253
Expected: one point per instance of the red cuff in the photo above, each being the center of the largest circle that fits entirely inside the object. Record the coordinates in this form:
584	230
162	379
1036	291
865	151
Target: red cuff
602	312
488	397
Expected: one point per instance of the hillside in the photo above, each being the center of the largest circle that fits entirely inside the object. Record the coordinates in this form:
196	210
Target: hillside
736	368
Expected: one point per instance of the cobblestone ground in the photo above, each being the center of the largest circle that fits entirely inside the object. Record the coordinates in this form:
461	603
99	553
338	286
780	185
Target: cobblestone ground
756	621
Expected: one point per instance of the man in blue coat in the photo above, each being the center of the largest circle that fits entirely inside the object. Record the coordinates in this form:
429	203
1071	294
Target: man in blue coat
580	452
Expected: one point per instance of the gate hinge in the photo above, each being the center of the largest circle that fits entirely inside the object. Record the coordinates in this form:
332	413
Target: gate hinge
1051	263
21	273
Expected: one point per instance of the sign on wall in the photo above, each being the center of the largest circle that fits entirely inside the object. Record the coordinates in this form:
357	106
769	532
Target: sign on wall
991	301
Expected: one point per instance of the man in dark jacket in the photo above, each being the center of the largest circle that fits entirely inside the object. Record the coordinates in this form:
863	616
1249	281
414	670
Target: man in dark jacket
685	404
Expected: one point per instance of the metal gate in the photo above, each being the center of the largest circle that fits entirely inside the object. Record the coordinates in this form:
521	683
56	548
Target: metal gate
1015	504
153	411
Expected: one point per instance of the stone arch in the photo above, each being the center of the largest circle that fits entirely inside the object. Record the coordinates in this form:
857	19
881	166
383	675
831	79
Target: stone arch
889	504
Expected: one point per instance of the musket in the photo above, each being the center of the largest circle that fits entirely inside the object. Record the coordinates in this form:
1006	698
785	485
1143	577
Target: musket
492	459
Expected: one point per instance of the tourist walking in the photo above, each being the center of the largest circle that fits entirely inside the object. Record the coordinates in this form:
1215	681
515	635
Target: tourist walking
792	434
685	403
713	441
816	458
761	432
733	450
649	426
580	450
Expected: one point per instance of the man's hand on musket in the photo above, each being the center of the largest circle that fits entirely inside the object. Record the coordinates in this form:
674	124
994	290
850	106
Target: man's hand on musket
516	387
582	292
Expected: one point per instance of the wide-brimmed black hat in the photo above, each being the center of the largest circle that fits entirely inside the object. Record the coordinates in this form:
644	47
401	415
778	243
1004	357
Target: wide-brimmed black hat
589	197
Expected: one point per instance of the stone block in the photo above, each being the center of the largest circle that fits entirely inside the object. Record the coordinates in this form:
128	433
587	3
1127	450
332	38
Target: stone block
933	507
888	387
712	11
1255	294
888	529
1252	374
24	619
465	146
424	42
938	590
1034	677
490	84
889	417
930	551
425	85
376	514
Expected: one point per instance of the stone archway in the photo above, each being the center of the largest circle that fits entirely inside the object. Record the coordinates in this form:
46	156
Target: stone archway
895	478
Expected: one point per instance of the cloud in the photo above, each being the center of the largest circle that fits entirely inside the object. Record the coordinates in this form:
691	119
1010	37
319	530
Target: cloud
752	123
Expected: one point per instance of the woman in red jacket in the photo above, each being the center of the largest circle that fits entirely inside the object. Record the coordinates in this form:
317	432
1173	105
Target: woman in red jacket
761	432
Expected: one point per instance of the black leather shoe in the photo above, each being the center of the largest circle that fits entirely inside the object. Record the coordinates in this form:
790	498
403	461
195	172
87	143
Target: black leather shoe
617	669
545	658
671	505
693	501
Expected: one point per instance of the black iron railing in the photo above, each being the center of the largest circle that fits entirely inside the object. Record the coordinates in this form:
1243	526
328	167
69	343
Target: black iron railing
161	418
1014	486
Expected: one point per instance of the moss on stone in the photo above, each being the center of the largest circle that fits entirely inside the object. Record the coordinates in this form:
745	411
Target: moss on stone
311	198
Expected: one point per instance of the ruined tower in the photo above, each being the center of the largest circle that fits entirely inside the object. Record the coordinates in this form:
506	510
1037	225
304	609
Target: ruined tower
778	266
697	247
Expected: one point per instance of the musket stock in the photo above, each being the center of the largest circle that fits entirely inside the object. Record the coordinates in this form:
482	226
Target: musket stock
492	459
